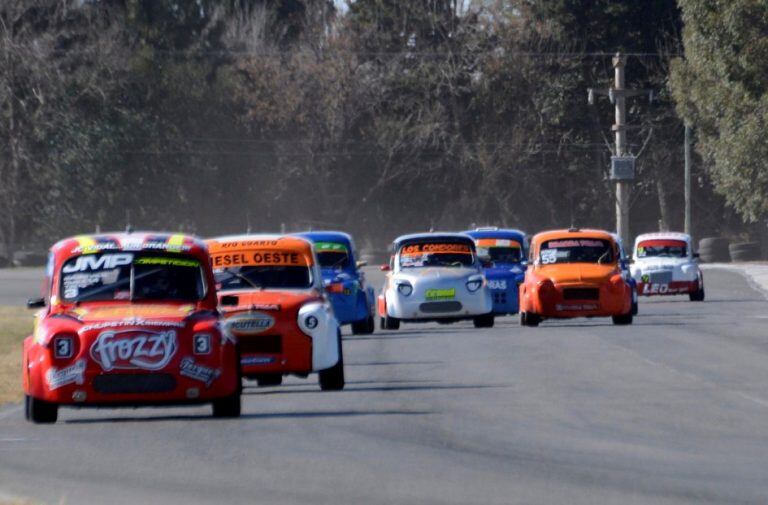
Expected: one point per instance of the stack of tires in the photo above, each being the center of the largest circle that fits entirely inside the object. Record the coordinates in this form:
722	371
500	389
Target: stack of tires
714	250
745	251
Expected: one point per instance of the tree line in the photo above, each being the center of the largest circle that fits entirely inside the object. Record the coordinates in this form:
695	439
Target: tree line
378	117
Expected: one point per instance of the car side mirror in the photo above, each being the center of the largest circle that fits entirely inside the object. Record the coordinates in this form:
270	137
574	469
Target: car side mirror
385	268
229	300
35	303
361	264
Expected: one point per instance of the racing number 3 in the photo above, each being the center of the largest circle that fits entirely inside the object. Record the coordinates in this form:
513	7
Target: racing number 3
202	344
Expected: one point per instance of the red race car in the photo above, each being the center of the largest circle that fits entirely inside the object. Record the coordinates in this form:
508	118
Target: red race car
129	320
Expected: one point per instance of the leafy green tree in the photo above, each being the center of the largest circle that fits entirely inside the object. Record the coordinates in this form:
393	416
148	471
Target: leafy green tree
721	87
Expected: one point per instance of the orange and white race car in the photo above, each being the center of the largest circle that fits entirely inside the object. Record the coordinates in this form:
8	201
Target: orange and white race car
575	273
271	294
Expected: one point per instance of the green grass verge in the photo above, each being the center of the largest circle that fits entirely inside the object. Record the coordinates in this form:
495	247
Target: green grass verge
15	325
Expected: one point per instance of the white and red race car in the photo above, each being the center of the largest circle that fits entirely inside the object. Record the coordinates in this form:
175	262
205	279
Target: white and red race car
664	264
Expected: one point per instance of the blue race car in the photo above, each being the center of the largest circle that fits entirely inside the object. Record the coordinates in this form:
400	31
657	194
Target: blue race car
503	253
624	264
352	300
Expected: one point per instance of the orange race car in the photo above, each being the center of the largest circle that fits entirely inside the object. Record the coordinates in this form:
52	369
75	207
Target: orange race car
271	294
575	273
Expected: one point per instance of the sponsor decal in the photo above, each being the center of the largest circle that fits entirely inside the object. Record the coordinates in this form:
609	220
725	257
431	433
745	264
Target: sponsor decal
89	263
134	349
73	374
577	306
662	289
132	321
196	371
266	306
133	311
330	246
250	323
436	249
257	360
173	262
258	258
440	294
247	243
497	284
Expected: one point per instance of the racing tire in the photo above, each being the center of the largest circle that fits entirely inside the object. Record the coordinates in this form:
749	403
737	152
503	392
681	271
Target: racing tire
364	327
390	323
634	308
696	296
227	407
332	379
623	319
484	321
269	379
40	411
529	319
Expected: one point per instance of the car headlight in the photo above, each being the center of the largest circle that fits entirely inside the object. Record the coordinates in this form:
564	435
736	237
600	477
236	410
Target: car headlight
404	288
473	284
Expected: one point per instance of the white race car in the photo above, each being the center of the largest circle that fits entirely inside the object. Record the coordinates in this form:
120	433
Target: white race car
434	277
665	264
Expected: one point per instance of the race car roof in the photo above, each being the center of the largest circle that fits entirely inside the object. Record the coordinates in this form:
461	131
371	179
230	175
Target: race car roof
509	233
326	236
259	241
571	233
663	235
129	241
432	237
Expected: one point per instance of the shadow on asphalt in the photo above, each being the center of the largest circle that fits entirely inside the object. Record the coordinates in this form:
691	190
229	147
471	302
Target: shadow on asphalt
268	415
388	363
284	390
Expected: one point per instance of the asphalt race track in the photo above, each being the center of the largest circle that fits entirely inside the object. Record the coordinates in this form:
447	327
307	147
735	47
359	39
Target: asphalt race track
673	409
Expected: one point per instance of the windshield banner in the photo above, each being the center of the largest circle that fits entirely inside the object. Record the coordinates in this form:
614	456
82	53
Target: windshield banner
330	247
258	258
497	242
435	248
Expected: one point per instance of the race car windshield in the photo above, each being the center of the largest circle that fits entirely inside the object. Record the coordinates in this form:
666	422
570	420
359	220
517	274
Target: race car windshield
436	255
501	254
576	251
263	277
662	249
132	276
332	255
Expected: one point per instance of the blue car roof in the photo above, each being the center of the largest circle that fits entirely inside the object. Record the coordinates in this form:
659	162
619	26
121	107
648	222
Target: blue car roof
500	233
326	236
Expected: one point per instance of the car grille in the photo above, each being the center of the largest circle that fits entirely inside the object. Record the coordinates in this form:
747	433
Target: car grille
437	307
134	383
581	294
660	277
261	344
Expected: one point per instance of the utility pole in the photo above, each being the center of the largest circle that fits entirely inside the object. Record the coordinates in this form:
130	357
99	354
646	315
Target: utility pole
687	178
622	163
622	185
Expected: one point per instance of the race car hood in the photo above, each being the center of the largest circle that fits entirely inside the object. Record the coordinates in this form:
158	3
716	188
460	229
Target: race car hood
416	275
575	273
266	300
137	312
505	272
652	263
